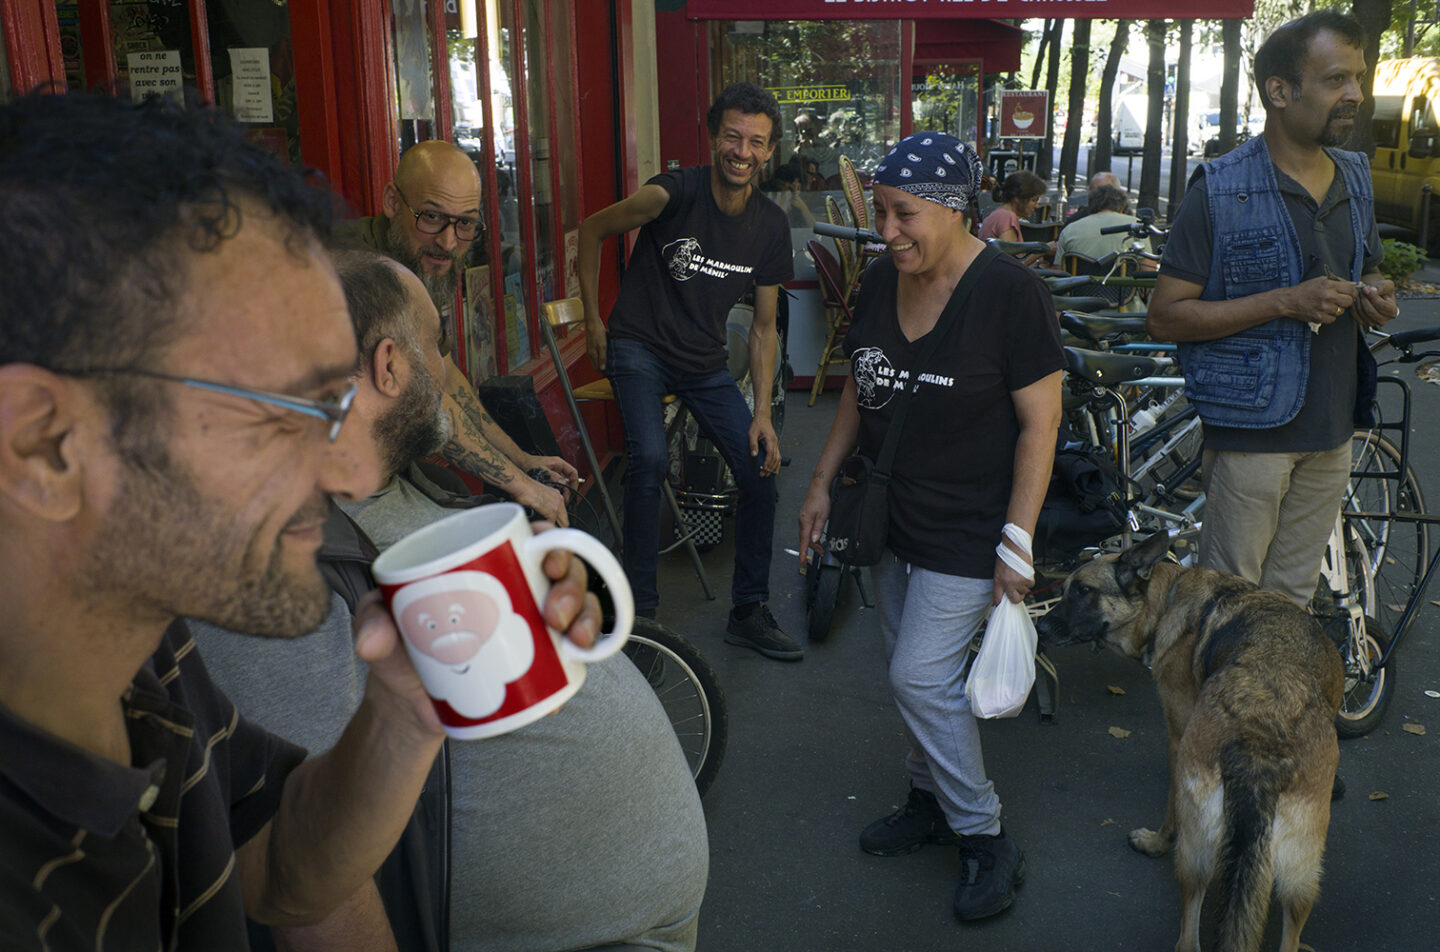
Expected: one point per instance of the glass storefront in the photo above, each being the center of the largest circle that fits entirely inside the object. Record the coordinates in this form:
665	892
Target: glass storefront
252	60
946	98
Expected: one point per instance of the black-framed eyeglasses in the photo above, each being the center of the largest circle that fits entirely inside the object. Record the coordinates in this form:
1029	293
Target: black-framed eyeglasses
332	409
433	223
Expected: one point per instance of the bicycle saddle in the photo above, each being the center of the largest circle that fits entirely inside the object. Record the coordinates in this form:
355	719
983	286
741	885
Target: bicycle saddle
1084	304
1109	369
1020	247
1095	326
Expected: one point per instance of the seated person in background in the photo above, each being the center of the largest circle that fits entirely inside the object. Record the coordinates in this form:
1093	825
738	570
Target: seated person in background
1106	207
1096	180
519	877
431	216
1018	195
819	160
784	190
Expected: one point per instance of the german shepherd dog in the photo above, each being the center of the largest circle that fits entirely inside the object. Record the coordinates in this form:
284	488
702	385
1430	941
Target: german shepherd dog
1250	686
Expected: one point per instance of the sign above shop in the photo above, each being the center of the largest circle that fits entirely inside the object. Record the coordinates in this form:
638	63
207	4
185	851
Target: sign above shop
998	9
1024	113
784	94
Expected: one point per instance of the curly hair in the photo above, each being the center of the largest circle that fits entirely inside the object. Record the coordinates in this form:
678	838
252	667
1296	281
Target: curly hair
102	203
750	100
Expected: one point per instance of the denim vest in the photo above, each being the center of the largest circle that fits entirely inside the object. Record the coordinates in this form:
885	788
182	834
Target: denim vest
1256	379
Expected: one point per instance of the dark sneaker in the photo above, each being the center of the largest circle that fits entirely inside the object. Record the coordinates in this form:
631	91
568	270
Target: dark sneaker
918	822
990	869
760	631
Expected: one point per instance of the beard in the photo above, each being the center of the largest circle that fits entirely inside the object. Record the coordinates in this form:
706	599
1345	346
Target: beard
165	547
1336	136
416	424
440	287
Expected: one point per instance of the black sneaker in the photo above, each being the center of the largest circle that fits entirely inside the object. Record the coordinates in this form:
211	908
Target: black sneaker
760	631
918	822
990	869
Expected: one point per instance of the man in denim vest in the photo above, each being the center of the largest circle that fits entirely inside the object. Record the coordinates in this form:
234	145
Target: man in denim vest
1268	277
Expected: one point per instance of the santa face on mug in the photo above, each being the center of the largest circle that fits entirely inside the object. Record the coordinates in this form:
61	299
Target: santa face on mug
466	640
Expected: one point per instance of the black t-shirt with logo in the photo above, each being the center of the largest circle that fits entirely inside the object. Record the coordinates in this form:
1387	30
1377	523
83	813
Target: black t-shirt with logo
950	484
692	264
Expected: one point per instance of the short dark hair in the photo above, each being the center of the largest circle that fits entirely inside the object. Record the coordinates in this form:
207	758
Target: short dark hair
1283	52
101	199
1106	198
750	100
376	297
1021	184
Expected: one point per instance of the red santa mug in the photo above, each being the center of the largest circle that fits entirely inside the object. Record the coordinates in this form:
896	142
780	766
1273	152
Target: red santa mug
465	593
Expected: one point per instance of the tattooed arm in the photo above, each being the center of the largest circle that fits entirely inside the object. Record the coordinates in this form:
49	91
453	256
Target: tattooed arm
470	450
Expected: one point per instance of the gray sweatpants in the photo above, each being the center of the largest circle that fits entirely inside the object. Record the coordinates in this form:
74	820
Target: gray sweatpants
927	619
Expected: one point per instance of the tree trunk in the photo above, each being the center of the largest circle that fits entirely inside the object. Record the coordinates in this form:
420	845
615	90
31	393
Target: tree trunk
1040	54
1374	16
1155	115
1230	84
1045	158
1180	117
1075	108
1100	151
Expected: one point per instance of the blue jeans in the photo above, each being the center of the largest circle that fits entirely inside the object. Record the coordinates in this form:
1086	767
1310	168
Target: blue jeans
640	380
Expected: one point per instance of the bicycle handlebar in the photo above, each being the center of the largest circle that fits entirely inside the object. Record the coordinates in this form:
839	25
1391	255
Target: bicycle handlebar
1420	335
863	235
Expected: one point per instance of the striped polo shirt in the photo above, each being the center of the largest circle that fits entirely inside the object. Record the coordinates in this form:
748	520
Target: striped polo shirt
96	855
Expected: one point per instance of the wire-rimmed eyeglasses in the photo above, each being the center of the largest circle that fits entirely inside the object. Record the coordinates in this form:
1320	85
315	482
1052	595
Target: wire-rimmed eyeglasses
332	409
429	222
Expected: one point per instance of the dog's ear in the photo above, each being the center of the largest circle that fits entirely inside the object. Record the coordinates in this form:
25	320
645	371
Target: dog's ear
1135	563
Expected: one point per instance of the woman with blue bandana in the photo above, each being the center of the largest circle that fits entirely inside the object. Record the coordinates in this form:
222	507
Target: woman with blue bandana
966	486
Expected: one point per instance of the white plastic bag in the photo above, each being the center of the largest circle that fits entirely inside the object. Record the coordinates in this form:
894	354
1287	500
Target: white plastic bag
1004	671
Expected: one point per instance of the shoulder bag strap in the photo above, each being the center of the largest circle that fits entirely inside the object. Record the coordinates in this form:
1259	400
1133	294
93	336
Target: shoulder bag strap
963	287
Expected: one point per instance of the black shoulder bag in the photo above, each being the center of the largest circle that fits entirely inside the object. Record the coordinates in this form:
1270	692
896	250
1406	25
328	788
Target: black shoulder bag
859	502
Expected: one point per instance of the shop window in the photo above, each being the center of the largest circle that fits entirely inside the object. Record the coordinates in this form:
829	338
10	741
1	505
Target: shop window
946	98
414	72
153	48
253	62
67	16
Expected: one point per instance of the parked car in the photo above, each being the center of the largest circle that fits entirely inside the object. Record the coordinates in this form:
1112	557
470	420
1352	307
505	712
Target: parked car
1406	126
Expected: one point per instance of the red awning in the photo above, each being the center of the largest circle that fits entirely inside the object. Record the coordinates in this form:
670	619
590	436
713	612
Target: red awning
962	9
998	45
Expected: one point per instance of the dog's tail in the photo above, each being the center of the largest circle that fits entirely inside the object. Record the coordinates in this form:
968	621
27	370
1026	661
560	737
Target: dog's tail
1247	868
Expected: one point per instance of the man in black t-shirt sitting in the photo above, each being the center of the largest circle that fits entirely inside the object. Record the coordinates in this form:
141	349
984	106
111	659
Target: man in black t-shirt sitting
707	236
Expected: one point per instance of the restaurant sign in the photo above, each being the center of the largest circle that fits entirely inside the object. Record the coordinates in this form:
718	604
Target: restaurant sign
1024	113
998	9
791	94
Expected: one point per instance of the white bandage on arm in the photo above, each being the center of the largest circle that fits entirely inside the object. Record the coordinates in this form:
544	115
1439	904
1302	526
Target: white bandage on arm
1022	541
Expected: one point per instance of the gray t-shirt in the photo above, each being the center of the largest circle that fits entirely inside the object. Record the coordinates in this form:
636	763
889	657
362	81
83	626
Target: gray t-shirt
1327	418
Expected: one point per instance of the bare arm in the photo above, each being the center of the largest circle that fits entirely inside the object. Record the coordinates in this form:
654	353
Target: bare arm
358	925
1177	313
1037	407
471	450
844	435
762	377
644	206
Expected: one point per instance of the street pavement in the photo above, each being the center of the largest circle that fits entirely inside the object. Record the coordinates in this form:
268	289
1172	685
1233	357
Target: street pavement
815	753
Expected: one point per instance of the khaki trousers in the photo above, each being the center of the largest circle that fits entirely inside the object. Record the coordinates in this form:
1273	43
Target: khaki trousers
1268	516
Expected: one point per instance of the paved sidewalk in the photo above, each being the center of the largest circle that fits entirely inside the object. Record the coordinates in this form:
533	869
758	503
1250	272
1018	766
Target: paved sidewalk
815	754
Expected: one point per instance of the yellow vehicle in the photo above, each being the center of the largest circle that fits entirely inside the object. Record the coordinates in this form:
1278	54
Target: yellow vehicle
1406	167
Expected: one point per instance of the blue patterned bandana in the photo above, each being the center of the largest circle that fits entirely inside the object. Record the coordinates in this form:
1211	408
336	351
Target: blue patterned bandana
934	166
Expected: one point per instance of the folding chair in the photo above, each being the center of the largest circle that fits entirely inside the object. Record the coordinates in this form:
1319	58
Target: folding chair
569	312
833	294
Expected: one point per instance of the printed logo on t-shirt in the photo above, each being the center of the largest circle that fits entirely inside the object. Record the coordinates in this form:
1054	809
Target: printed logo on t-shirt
685	259
877	380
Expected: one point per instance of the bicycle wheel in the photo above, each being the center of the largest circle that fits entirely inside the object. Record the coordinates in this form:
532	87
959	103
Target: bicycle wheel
690	693
1398	552
823	594
1367	689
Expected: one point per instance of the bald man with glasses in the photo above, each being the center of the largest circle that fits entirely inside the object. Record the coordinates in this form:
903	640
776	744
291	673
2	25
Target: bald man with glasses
431	215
